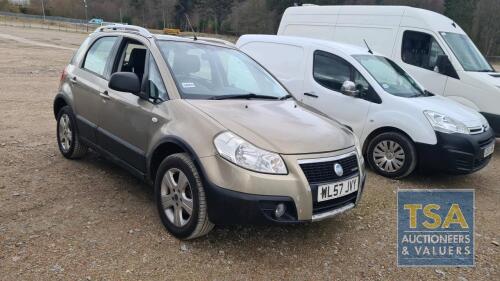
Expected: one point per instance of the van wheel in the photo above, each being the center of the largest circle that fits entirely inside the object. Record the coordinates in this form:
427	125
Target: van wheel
180	198
67	135
392	155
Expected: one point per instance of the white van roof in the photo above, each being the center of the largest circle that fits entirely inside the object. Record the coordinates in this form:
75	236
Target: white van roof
303	42
379	15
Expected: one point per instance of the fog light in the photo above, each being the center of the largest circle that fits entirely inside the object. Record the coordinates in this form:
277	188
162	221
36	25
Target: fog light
280	210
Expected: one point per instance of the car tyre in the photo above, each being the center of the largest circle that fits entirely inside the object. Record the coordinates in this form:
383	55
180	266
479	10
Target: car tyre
180	198
392	155
68	139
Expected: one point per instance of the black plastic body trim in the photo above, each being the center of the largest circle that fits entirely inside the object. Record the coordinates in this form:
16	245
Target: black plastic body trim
86	129
228	207
138	174
455	153
494	121
122	149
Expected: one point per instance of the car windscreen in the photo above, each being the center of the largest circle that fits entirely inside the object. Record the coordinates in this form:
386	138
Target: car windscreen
467	54
392	78
204	71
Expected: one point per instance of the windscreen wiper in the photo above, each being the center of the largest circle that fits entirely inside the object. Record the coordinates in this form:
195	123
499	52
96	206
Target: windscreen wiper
285	97
245	96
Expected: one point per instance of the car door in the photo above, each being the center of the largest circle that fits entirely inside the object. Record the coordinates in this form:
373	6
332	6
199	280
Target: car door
125	125
418	55
324	78
87	82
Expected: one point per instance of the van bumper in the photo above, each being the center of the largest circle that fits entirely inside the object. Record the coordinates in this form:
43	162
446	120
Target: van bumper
494	121
456	153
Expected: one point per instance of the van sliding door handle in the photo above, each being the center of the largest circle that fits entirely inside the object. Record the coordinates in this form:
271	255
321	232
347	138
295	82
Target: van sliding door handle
73	80
311	95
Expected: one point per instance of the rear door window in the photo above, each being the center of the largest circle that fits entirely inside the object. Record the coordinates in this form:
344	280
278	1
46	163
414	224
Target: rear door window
99	54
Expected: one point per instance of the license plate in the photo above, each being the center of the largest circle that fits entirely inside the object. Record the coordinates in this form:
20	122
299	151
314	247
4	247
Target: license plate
338	189
489	150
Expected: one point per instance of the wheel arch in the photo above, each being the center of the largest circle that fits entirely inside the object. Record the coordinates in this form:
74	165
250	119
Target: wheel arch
167	146
60	101
381	130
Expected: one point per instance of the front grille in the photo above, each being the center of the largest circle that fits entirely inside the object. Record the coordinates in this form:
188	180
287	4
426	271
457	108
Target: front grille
323	172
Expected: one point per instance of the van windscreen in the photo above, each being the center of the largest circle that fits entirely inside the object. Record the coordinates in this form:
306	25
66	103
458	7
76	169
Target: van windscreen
392	78
467	54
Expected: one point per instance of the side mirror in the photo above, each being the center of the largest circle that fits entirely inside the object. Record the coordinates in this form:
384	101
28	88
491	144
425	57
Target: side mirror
127	82
444	66
349	89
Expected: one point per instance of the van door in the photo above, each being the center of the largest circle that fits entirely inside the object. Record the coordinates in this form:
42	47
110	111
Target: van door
325	76
418	54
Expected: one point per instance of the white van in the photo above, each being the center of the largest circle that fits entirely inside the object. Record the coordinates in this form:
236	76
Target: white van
399	124
430	46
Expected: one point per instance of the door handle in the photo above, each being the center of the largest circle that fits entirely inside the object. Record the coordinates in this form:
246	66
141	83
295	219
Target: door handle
105	95
311	95
73	80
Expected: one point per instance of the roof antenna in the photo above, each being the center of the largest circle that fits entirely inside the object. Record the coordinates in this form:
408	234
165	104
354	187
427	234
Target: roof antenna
190	26
369	50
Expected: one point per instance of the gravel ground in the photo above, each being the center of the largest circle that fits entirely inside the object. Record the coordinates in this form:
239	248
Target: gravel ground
89	220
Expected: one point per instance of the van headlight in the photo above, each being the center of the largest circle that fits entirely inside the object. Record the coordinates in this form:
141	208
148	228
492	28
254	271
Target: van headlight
484	122
242	153
445	124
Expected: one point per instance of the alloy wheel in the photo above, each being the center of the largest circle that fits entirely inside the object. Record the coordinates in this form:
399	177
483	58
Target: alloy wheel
176	197
65	134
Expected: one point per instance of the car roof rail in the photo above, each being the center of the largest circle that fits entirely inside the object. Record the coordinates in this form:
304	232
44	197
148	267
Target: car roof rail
216	40
125	28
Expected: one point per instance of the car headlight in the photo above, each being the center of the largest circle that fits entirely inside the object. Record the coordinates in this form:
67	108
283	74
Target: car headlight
445	124
242	153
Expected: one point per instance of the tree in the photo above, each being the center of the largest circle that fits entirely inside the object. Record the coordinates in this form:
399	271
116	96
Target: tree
462	12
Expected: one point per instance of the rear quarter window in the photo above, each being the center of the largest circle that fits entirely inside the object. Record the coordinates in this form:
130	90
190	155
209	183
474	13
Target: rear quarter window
78	55
99	55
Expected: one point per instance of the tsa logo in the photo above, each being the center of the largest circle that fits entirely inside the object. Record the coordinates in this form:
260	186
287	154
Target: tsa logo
436	227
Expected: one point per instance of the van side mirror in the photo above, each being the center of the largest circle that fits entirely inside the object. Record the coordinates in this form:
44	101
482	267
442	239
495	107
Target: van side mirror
444	66
349	89
127	82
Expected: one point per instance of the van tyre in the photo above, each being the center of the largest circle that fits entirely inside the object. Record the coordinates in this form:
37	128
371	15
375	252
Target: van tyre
68	139
180	198
392	155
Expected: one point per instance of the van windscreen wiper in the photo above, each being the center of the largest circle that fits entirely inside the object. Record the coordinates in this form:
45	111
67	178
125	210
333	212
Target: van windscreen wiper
285	97
245	96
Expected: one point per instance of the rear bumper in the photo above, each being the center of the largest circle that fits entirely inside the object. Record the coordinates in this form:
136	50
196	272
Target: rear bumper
456	153
494	121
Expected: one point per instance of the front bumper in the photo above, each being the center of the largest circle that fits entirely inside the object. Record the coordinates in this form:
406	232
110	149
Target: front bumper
456	153
238	196
494	121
